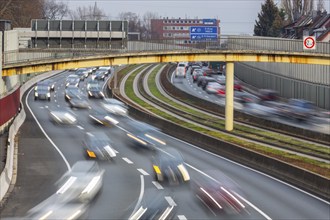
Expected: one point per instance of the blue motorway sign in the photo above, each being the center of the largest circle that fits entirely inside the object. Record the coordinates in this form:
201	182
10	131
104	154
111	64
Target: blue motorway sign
200	33
210	21
199	37
203	30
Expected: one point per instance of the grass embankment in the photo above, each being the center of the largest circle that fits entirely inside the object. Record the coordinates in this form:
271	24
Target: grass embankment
315	166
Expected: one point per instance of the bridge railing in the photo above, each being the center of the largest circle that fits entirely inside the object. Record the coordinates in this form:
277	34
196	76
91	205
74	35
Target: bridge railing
229	43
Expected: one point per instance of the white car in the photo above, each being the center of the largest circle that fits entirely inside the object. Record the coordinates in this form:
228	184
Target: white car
81	183
180	70
115	106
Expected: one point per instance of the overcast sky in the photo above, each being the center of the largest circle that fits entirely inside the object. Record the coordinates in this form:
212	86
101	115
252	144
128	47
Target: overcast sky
236	16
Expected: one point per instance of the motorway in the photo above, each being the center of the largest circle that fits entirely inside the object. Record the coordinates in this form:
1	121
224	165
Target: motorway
46	151
318	124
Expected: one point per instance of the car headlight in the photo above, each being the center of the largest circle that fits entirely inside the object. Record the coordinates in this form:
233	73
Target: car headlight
48	94
67	84
35	94
89	92
77	84
68	97
184	172
102	94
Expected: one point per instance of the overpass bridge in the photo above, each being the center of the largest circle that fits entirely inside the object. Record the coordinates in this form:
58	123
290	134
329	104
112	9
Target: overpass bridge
228	49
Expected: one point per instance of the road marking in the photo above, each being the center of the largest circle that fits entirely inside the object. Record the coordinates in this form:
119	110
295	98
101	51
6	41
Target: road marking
143	172
127	160
158	186
58	106
170	201
46	106
182	217
43	131
206	97
81	128
54	95
140	196
115	151
195	89
55	100
200	92
41	107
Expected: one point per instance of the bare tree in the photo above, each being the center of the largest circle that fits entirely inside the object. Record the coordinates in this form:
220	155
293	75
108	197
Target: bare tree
146	24
134	21
88	13
20	12
296	8
54	10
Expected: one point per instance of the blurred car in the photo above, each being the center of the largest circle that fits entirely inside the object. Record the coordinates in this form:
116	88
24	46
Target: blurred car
81	183
213	88
204	80
298	109
62	117
71	91
95	91
238	86
54	208
142	135
50	83
106	69
102	117
42	91
196	74
154	207
92	83
219	193
115	106
99	75
268	95
79	102
72	80
194	66
82	74
97	145
180	70
169	167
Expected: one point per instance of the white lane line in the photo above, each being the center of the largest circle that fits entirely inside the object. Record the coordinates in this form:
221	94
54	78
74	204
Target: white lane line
58	106
200	92
46	106
157	185
81	128
115	151
55	100
143	172
253	206
41	107
54	95
206	97
170	201
43	131
182	217
195	89
140	196
127	160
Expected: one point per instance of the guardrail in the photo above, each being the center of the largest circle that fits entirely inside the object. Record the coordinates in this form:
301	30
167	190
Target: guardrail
229	43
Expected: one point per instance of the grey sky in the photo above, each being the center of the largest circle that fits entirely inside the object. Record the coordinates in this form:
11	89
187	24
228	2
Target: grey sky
236	16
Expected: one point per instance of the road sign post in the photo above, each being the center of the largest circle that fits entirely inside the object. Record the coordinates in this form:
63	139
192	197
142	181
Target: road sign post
309	43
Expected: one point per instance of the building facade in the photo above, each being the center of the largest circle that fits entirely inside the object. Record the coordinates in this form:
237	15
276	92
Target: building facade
179	29
78	34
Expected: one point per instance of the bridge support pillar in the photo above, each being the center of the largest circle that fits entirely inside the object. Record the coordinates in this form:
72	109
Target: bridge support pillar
229	119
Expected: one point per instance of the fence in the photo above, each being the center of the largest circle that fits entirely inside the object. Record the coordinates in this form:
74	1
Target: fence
229	43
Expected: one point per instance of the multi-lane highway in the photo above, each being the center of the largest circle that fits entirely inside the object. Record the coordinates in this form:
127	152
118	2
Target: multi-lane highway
47	150
319	124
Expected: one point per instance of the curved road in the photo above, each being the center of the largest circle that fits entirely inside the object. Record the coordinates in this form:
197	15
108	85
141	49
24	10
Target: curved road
129	178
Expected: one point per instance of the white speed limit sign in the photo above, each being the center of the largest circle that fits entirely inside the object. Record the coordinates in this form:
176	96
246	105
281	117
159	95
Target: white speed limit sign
309	43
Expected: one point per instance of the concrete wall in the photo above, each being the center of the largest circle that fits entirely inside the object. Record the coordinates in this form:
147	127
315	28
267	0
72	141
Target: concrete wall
309	82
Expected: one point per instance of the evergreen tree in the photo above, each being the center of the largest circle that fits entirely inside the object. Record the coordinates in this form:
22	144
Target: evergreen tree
270	20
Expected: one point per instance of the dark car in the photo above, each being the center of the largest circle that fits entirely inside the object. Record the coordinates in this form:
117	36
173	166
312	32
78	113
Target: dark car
97	145
50	83
72	80
268	95
142	135
71	91
102	117
220	194
82	74
169	167
298	109
95	92
203	81
42	91
99	75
